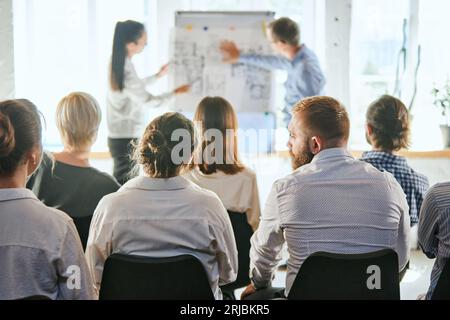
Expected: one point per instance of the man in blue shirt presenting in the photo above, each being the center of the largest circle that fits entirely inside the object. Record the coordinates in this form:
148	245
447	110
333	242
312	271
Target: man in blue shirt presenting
305	77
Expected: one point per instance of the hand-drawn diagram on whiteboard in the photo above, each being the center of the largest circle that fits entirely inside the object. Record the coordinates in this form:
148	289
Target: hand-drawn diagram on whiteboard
197	60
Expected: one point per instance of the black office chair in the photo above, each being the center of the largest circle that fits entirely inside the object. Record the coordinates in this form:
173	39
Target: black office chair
35	298
128	277
442	290
242	234
327	276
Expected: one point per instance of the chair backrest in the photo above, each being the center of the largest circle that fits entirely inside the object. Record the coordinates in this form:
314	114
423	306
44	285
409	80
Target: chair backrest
327	276
128	277
83	224
442	290
242	234
36	298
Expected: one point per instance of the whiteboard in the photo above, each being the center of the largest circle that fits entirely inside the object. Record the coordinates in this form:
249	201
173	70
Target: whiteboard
197	60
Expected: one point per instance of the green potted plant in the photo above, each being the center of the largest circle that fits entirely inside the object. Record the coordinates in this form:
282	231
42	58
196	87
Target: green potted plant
442	101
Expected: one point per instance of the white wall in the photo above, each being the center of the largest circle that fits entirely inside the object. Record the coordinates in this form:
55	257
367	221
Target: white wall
6	51
337	29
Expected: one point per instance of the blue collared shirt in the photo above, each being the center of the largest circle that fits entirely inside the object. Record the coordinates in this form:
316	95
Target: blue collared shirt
305	77
415	185
334	204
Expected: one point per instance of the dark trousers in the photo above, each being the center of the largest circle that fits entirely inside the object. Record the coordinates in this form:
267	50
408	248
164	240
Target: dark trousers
242	234
121	152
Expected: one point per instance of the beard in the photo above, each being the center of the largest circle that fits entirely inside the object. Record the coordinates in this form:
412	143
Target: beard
300	159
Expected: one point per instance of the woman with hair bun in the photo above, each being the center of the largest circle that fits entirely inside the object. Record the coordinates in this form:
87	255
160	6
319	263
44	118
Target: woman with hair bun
39	246
145	215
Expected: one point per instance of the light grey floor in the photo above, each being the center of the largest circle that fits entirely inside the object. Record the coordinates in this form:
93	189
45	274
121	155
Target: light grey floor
269	169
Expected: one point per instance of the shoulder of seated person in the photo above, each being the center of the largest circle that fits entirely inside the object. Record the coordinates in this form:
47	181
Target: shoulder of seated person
290	178
113	200
105	177
198	191
248	172
439	188
203	197
55	214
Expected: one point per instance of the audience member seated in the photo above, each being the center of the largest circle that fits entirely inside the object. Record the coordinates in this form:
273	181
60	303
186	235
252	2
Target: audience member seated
66	180
388	131
234	183
332	202
162	214
434	230
40	250
225	175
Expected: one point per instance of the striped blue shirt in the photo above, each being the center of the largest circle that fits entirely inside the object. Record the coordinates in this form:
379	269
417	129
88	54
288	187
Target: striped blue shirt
305	77
414	184
434	229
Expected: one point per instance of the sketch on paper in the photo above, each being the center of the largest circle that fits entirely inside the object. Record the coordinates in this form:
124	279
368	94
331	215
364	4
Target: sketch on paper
215	84
196	60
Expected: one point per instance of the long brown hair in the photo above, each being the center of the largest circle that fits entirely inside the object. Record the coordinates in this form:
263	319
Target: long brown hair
217	113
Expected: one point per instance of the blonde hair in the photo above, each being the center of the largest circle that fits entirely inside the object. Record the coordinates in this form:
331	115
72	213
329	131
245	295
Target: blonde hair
78	118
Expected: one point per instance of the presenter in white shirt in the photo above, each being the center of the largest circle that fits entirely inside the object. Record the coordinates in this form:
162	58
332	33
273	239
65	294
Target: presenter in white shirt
127	96
162	214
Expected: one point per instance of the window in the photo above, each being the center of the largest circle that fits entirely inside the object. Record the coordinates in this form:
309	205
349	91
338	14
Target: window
56	54
377	38
434	71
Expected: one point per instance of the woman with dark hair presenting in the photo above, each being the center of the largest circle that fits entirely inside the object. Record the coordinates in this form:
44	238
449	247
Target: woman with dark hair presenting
127	96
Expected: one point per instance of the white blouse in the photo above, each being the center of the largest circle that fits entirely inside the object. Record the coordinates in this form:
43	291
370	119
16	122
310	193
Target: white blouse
125	110
238	192
144	217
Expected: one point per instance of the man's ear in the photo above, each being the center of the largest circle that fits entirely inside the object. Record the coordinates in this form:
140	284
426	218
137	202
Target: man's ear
268	33
315	145
369	129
